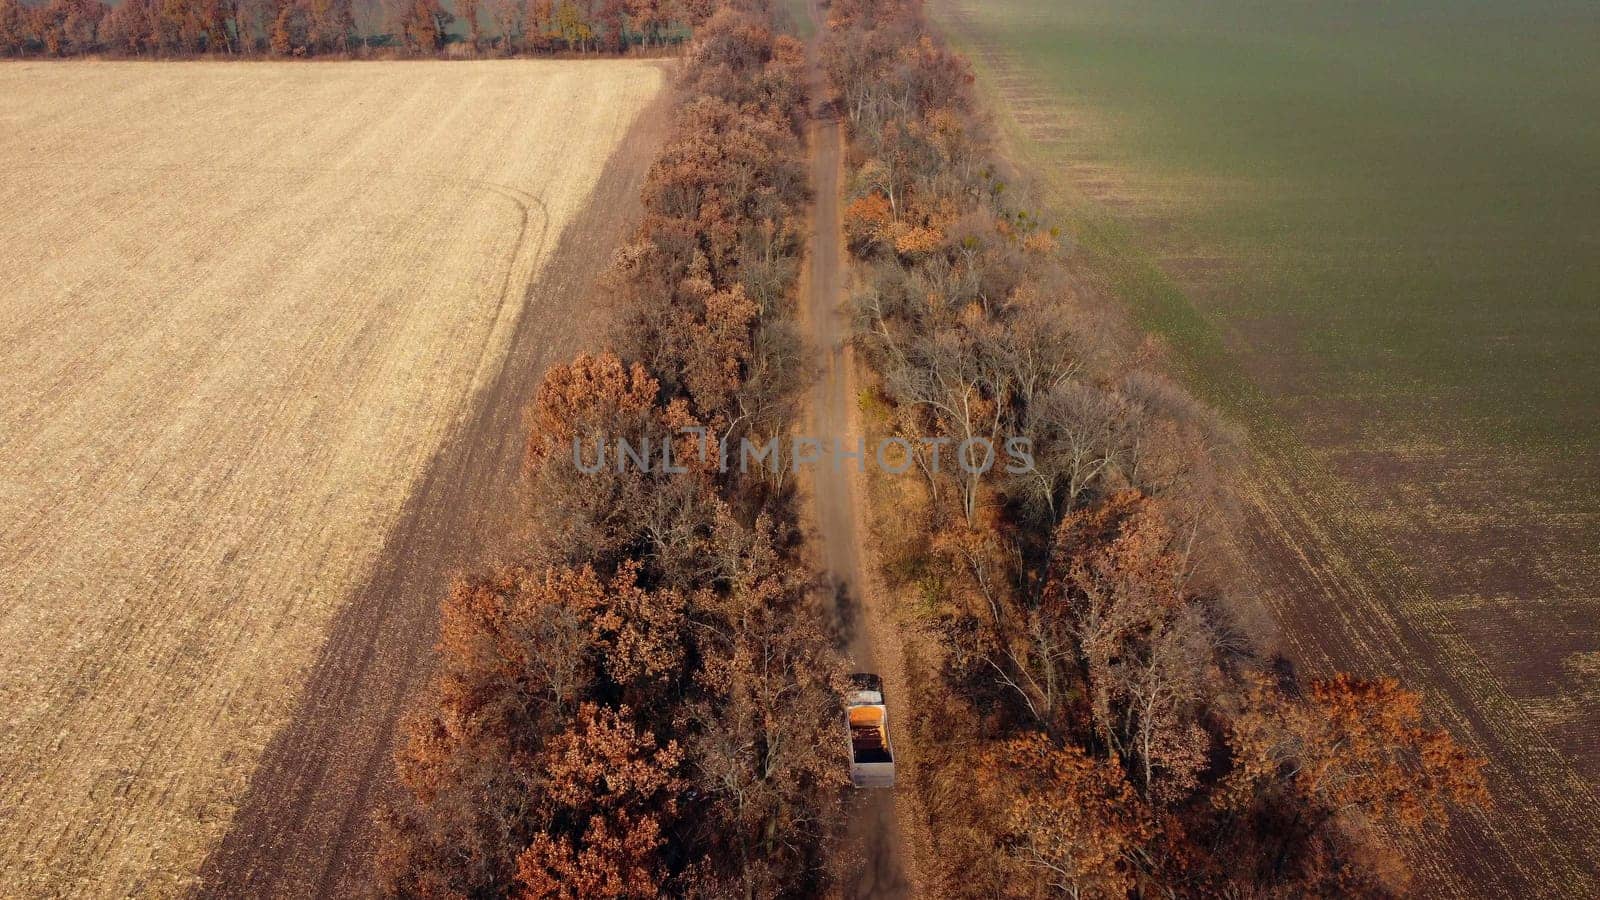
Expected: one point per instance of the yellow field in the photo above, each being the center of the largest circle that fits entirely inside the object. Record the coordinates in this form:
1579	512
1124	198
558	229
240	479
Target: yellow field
241	305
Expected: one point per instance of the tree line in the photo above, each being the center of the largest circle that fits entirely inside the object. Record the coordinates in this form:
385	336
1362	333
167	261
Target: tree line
330	27
647	704
1099	720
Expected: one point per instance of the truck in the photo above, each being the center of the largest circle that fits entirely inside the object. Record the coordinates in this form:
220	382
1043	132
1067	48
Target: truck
867	726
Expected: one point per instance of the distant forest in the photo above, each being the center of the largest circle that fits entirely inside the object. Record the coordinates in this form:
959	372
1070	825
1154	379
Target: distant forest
341	27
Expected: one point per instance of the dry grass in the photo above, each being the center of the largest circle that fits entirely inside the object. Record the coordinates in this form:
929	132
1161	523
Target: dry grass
241	305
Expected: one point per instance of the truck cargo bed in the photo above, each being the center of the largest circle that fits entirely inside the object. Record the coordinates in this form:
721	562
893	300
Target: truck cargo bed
866	735
867	722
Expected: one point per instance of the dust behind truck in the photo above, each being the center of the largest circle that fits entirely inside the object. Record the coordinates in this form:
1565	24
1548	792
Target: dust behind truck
867	719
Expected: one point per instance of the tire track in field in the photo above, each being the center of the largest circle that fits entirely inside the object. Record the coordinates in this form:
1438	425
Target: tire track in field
304	827
1344	602
225	388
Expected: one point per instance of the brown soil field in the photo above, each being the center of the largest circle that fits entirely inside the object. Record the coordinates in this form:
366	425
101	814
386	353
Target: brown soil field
244	308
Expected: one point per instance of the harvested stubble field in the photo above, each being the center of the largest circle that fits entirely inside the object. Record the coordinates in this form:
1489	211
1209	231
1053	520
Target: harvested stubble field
241	306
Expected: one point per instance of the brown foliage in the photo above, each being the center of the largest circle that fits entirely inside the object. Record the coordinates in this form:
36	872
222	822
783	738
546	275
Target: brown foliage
1065	822
579	400
866	217
639	633
656	713
13	27
768	753
1118	582
309	27
1349	746
608	789
514	662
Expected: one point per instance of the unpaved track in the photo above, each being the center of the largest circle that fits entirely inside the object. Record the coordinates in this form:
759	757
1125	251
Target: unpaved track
874	833
305	827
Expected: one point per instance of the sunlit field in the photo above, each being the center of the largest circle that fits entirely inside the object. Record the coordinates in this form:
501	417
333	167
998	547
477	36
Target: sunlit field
242	306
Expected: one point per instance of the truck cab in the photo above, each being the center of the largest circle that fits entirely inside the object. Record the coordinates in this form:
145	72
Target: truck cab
867	724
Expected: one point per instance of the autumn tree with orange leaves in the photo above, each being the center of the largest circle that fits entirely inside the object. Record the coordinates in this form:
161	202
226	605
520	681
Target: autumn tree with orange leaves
1310	772
311	27
648	704
515	662
608	796
1065	822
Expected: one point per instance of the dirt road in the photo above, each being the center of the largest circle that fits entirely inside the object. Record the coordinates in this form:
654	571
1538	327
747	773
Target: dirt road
836	509
305	826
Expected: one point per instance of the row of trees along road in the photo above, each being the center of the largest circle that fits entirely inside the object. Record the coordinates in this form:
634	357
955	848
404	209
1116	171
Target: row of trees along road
1098	720
648	705
319	27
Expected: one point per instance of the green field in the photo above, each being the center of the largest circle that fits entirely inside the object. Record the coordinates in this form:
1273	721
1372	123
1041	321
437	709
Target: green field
1415	187
1370	233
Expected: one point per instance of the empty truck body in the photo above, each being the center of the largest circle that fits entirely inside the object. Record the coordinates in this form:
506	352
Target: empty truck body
867	720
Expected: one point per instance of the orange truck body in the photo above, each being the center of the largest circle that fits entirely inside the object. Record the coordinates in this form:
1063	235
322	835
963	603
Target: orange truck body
867	721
